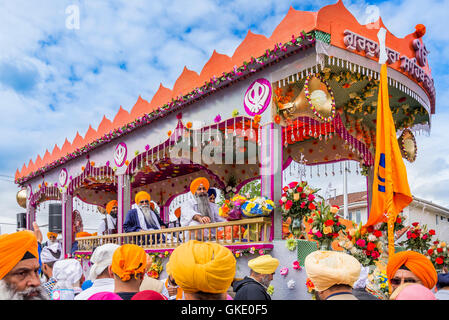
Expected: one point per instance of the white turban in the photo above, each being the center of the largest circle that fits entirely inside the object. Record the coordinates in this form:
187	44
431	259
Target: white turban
328	268
68	271
361	281
101	259
51	253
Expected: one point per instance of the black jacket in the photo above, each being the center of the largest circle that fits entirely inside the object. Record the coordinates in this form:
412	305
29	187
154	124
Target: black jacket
249	289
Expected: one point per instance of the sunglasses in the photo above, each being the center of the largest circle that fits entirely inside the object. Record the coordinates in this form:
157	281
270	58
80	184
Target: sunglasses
202	189
144	201
397	281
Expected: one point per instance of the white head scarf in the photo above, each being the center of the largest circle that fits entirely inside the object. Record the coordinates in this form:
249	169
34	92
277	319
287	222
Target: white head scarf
328	268
51	253
68	271
101	259
361	281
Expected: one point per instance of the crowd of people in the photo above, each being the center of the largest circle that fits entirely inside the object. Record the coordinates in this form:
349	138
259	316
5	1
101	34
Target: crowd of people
33	270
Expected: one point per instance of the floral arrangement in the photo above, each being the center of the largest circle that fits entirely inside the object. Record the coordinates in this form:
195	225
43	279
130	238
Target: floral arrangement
311	288
398	225
231	208
303	40
156	267
363	244
251	251
418	238
439	254
257	207
297	201
325	224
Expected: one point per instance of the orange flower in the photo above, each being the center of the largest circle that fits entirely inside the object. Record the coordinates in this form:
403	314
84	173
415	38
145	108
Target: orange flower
189	125
82	168
127	162
257	118
277	119
46	184
169	133
92	163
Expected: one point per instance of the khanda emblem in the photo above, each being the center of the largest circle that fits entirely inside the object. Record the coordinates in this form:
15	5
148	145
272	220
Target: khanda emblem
257	97
381	173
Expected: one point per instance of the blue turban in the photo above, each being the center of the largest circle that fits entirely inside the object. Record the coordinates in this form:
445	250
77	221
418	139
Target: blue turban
212	191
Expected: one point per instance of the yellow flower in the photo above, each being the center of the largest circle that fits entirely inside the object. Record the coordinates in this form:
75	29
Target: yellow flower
327	230
443	244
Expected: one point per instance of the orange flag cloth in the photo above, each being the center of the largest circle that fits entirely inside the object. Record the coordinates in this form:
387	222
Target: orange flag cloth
197	182
391	192
417	263
13	247
202	266
128	260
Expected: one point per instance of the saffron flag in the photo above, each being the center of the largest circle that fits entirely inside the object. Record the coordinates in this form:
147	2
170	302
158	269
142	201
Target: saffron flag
391	192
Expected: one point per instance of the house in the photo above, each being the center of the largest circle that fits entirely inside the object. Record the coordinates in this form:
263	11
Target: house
425	212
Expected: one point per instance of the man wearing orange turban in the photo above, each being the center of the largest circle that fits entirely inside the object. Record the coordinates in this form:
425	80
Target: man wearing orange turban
203	270
199	210
128	266
109	224
411	267
19	267
142	218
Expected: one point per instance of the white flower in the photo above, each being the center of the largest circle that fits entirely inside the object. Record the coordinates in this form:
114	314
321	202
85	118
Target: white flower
372	238
291	284
353	250
290	190
314	230
284	199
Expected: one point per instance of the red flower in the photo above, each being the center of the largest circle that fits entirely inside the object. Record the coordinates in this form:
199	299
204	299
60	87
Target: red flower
299	189
432	232
415	224
310	220
303	195
312	206
398	220
424	237
439	260
288	204
334	235
430	252
414	235
370	229
329	223
371	246
377	233
439	250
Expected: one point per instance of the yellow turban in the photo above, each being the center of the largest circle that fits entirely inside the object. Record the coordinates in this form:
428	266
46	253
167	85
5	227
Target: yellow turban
129	259
264	264
417	263
110	205
142	195
328	268
202	266
51	234
197	182
13	248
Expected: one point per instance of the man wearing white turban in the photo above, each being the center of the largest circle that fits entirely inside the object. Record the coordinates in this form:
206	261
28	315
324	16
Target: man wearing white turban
333	274
49	255
102	280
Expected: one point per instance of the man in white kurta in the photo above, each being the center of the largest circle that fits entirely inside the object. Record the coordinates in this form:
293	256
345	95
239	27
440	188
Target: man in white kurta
200	210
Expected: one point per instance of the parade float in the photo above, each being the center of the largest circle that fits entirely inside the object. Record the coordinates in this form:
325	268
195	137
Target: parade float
303	98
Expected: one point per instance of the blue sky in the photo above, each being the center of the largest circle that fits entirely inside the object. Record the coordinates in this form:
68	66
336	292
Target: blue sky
55	81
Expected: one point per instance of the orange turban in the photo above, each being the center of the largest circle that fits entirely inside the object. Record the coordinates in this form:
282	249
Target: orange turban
197	182
110	205
129	259
417	263
51	234
202	266
142	195
13	247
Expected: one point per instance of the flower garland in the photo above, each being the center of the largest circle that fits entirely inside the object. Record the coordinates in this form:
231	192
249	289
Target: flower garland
280	51
251	251
309	100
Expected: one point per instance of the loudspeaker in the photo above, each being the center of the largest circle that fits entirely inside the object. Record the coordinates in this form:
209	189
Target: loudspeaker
55	217
21	220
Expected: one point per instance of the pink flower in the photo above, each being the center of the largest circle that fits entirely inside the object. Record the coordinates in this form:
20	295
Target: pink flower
296	265
361	243
261	252
424	237
283	271
292	185
319	234
303	204
311	197
288	204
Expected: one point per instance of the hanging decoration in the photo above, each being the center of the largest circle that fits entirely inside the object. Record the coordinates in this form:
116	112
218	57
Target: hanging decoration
407	144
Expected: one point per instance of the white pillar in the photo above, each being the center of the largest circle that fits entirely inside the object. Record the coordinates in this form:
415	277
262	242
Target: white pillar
67	223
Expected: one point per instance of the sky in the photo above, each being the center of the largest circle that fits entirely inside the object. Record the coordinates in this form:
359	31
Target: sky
57	76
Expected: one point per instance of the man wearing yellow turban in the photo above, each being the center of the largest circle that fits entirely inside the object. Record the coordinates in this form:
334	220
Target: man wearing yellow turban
199	210
142	218
255	286
108	225
411	267
128	267
19	267
52	239
203	270
333	274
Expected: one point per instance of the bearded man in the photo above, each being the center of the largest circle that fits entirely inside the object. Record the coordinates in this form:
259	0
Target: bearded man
19	267
109	224
199	210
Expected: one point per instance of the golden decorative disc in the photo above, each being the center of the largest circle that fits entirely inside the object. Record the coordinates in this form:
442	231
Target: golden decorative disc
21	198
